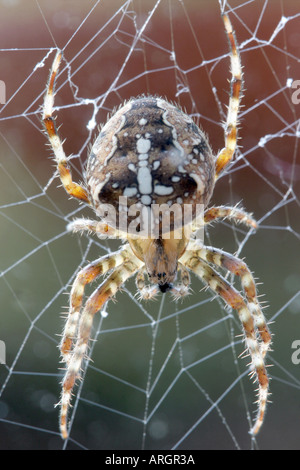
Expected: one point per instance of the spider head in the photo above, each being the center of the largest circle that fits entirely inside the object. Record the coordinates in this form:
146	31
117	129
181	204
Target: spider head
160	257
165	287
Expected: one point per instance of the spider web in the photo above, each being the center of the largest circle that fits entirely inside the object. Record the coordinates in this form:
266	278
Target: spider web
162	375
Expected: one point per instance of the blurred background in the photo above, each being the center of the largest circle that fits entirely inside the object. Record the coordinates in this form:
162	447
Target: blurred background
168	372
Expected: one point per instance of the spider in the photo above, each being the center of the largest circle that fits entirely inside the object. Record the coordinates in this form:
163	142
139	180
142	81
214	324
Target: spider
153	153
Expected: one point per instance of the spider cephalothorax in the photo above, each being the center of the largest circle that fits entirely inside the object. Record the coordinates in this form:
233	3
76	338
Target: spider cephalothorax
149	163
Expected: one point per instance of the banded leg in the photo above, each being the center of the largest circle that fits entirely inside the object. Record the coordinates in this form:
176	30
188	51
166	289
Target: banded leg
74	189
84	277
231	213
225	155
100	228
94	303
234	299
239	268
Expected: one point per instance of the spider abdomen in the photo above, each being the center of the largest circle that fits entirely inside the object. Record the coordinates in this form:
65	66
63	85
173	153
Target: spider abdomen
150	152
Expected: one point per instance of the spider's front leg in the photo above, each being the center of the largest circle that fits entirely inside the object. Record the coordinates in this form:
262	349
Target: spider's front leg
233	298
94	303
87	275
239	268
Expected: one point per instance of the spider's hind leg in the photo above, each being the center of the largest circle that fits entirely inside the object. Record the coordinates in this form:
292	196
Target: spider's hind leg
226	154
72	188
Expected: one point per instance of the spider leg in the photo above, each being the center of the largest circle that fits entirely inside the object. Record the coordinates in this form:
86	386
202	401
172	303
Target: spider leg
225	155
181	290
94	303
233	298
87	275
74	189
145	292
239	268
100	228
231	213
185	275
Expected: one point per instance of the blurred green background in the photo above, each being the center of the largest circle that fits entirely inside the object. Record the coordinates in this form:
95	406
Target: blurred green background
182	56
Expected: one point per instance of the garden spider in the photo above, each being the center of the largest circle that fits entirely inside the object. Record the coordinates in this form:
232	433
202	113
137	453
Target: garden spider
153	153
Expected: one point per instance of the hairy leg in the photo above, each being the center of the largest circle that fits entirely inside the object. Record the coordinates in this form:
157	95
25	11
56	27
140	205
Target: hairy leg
72	188
94	303
85	276
226	154
231	213
234	299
